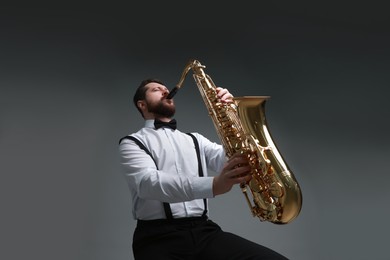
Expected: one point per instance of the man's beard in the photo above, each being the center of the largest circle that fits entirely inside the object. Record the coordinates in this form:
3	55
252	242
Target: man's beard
161	109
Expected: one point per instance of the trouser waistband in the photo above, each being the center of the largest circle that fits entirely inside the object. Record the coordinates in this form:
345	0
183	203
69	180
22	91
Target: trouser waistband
175	221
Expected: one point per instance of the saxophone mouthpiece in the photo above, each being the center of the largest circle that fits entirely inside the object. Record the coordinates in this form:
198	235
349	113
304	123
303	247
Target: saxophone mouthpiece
172	93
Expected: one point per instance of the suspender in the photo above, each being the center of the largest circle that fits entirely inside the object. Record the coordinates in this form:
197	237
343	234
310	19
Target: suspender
167	207
200	170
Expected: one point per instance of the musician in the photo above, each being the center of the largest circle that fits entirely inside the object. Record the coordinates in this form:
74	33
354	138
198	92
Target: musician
166	171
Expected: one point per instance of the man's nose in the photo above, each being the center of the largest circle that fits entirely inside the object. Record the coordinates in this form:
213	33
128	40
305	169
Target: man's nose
165	92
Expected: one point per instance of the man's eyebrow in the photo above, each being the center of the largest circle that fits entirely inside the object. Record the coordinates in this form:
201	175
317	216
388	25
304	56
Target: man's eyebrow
162	87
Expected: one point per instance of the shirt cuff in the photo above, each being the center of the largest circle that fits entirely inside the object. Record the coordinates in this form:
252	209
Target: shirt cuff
203	188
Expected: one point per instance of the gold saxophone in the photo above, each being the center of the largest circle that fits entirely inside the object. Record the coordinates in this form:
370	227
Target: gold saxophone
242	128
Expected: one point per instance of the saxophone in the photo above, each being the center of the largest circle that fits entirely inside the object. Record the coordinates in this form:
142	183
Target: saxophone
273	194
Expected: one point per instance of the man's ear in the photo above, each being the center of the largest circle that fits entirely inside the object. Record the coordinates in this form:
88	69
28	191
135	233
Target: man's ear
141	104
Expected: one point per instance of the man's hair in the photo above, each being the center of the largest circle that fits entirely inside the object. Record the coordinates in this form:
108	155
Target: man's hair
141	91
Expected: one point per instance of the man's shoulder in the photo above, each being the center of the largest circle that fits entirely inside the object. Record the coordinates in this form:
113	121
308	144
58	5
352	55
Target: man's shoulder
131	136
201	138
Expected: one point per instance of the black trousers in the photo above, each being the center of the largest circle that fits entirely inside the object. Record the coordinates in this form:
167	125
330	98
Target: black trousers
193	238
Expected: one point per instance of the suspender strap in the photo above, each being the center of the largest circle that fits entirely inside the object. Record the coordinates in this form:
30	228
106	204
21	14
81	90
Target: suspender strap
141	145
167	208
199	167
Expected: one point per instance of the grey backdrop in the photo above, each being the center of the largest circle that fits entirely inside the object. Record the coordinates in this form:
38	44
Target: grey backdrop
68	73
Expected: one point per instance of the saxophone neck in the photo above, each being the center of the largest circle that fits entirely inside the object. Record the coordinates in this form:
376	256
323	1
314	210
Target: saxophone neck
196	66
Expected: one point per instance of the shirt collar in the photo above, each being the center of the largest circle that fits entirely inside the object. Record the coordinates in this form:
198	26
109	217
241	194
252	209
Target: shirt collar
149	123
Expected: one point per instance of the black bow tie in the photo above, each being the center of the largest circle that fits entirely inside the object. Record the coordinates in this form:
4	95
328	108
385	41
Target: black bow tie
170	124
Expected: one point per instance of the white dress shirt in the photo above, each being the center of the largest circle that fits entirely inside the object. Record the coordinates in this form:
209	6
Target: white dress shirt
176	179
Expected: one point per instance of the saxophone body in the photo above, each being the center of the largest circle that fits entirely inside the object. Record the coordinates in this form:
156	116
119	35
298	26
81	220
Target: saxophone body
273	194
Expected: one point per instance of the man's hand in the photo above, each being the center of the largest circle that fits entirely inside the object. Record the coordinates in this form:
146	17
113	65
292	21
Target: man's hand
224	95
235	171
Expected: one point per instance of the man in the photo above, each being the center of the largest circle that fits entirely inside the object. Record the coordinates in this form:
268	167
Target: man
166	171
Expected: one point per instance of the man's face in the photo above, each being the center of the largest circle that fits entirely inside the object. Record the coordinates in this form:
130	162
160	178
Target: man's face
156	102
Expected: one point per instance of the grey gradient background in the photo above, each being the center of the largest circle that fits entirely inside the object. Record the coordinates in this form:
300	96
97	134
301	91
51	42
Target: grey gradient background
68	73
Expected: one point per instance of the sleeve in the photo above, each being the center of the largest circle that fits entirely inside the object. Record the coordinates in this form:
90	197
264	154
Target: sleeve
150	183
